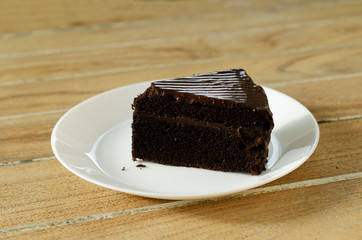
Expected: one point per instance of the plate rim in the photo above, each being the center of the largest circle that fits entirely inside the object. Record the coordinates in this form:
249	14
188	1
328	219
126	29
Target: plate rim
157	195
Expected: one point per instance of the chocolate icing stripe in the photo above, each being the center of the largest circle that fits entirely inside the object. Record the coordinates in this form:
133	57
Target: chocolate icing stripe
231	86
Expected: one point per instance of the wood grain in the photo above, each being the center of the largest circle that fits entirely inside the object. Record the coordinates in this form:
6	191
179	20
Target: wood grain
224	22
274	216
26	138
265	69
38	14
345	95
45	191
182	49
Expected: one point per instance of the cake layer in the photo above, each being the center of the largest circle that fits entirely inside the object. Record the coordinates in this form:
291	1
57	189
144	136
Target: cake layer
182	144
249	137
164	104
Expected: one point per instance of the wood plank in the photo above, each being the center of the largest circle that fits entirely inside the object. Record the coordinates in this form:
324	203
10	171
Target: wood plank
62	195
38	14
182	49
45	191
345	94
44	96
259	19
27	138
331	211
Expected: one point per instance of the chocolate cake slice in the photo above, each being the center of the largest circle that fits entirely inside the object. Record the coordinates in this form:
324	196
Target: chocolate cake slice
218	121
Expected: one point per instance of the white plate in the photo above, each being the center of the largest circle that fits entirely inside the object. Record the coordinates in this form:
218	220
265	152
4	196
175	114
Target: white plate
93	140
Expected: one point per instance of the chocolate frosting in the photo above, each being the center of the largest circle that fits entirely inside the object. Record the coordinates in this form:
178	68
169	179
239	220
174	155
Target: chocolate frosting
232	87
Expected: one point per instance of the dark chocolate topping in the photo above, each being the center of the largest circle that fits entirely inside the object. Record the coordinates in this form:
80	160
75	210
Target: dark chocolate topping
230	86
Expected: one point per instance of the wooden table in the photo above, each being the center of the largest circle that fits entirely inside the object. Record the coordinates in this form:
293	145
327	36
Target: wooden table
56	54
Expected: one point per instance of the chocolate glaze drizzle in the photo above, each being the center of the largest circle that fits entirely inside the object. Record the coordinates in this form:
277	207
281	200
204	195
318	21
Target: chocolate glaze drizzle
230	86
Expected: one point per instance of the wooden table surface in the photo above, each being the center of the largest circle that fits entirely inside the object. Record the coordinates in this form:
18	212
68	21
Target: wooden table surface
55	54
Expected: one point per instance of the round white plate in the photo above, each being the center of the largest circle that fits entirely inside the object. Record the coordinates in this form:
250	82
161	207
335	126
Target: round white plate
93	140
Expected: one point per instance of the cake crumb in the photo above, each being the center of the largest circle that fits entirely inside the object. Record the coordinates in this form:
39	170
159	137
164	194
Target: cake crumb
141	166
124	168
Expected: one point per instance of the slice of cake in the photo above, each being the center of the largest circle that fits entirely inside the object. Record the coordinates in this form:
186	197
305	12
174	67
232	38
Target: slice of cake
218	121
